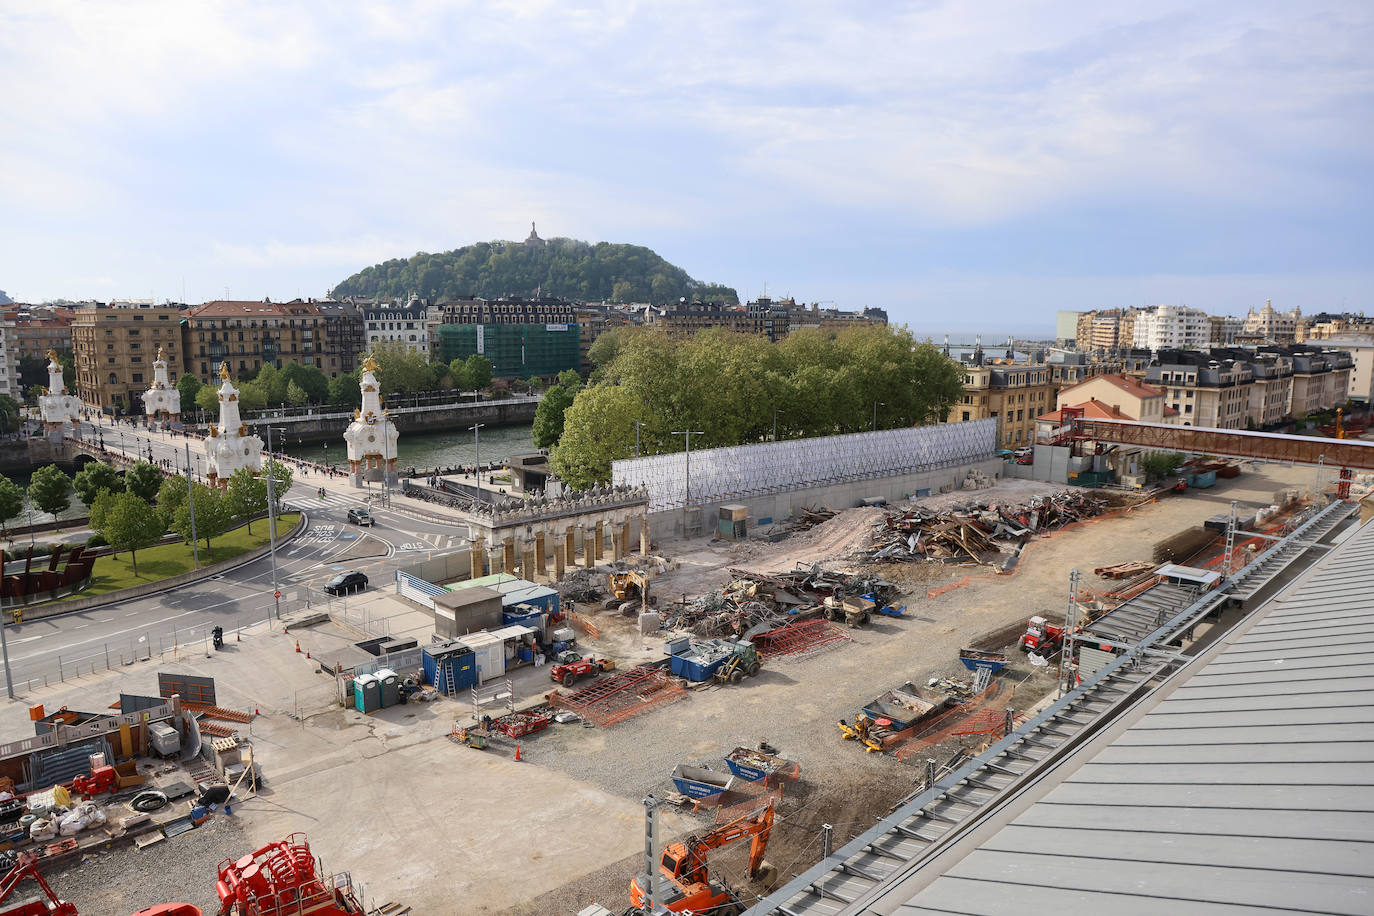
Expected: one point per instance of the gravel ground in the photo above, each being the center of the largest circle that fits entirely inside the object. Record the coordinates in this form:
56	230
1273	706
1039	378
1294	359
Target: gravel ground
182	869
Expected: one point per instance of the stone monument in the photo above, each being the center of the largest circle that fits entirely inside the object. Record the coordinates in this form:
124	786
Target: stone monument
162	401
230	446
372	435
55	405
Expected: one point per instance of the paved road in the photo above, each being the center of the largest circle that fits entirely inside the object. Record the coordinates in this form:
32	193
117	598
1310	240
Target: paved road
237	598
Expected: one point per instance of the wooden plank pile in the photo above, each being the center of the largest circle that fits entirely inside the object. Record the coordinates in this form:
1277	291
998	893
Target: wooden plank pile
1124	570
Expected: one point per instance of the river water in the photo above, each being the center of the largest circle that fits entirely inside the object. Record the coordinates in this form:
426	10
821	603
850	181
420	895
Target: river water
430	450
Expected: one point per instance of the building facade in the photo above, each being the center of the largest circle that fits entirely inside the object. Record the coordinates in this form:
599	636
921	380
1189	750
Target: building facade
114	348
1172	326
345	337
1270	326
407	325
1013	394
248	335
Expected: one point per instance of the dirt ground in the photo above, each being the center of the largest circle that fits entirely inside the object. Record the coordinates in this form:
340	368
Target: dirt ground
795	702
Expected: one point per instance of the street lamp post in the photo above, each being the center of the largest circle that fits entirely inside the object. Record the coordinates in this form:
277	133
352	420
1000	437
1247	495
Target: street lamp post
638	424
272	521
775	424
876	405
477	448
191	507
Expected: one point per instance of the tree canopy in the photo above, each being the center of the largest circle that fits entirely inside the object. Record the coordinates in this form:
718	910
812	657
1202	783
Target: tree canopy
548	417
143	480
50	490
213	515
128	523
569	268
247	495
11	500
188	386
735	387
95	477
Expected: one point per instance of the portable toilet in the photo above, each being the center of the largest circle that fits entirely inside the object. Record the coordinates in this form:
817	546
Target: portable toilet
367	693
390	687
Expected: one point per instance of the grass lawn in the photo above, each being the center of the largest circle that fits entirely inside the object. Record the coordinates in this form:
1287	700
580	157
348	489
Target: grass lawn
167	560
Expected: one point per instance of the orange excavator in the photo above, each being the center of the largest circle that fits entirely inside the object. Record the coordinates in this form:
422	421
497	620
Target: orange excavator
687	884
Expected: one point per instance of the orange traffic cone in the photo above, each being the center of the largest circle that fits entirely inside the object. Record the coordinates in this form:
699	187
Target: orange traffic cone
298	647
517	752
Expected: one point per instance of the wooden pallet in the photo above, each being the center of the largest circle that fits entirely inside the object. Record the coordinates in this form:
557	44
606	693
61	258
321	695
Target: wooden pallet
219	712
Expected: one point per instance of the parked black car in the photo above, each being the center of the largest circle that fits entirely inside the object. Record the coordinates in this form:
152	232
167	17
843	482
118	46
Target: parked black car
346	583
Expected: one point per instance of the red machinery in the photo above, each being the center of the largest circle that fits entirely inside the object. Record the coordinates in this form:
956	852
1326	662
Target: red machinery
570	667
52	906
279	879
691	887
1041	636
520	724
102	779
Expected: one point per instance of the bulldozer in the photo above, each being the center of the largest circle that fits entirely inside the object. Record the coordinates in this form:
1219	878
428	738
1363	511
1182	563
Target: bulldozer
629	591
688	885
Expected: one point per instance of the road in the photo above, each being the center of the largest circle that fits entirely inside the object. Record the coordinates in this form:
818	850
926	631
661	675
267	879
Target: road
238	598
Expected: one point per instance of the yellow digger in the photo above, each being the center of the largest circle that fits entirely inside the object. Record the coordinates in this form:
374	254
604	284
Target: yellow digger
630	590
862	731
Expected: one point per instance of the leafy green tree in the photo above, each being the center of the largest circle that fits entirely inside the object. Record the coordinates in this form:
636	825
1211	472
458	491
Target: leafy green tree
479	371
271	384
9	414
598	428
246	495
548	416
100	509
458	371
607	345
207	399
402	371
171	496
295	395
188	386
281	481
252	396
95	477
11	500
213	516
143	480
309	379
50	490
534	383
344	390
1161	464
130	523
33	371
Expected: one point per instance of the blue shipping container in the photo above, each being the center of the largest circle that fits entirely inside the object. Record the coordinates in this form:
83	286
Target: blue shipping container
438	660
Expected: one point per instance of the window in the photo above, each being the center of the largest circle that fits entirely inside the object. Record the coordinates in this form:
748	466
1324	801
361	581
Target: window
138	376
113	378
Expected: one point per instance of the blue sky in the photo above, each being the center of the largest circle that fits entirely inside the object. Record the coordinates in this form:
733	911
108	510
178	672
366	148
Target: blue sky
965	165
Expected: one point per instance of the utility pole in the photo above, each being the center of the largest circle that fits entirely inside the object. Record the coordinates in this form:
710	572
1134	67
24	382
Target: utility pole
272	522
688	434
477	449
637	426
876	405
191	507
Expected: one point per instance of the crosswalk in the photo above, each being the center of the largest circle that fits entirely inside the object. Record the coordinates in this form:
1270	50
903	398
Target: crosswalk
313	501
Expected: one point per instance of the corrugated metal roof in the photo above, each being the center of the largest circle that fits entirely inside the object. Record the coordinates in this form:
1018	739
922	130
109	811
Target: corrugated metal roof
1249	788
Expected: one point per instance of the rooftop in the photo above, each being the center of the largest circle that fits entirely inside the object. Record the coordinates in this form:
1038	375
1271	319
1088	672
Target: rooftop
1132	386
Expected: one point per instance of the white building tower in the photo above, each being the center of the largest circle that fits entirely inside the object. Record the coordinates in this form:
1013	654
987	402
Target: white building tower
230	446
372	436
162	400
56	407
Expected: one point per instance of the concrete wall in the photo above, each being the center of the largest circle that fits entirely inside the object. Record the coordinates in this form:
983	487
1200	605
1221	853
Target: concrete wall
780	506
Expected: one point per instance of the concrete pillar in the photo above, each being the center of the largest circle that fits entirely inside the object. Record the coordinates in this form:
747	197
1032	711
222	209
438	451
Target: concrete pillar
588	544
569	546
527	561
624	537
644	535
559	552
477	552
541	560
600	540
498	561
617	545
508	547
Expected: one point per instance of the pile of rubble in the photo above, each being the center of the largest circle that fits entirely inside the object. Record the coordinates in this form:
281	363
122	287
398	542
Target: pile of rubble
755	602
980	533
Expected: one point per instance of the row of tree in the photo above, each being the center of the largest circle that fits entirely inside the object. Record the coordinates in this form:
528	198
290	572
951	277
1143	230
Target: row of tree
135	509
400	371
737	388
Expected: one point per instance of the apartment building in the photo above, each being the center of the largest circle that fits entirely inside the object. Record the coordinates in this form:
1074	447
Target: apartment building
1271	326
409	324
248	335
113	348
33	330
1321	380
1013	394
1361	350
345	336
1272	391
1172	326
1248	389
1126	396
9	372
521	337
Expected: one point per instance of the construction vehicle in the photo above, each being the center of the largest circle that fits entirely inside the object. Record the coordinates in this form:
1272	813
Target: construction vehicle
865	731
855	611
26	867
630	591
743	661
687	884
1041	637
569	667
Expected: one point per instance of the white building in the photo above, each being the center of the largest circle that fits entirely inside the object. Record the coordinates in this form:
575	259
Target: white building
1172	327
230	446
9	368
1361	350
1269	325
408	324
372	436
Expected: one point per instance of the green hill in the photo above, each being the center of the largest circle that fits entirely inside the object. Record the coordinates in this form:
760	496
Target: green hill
568	268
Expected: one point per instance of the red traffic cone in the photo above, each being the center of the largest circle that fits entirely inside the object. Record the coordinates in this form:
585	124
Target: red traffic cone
298	647
238	636
517	752
307	653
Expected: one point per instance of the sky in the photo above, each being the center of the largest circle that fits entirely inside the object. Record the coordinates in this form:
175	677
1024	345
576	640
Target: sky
967	166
